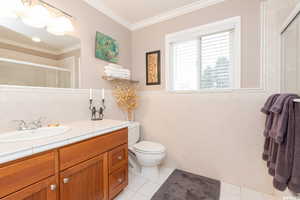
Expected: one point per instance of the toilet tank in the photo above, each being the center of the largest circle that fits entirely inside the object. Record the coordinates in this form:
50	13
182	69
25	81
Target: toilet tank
133	133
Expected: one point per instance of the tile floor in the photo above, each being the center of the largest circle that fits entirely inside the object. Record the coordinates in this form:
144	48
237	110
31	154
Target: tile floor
141	188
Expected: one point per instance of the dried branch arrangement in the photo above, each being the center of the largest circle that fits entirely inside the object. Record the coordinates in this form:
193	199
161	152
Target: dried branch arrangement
126	97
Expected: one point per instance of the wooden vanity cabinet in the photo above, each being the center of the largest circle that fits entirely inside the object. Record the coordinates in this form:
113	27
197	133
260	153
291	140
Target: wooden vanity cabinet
43	190
94	169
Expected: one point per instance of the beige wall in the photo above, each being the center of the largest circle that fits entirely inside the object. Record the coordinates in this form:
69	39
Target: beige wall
88	21
77	56
153	38
27	51
214	134
21	56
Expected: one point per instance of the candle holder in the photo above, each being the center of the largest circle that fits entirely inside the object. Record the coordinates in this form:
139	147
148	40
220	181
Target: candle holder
97	114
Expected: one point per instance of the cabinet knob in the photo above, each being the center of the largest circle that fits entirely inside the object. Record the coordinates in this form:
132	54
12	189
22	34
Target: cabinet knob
120	157
53	187
66	180
120	180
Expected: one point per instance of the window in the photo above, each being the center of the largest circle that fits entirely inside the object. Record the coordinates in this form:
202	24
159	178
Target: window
204	58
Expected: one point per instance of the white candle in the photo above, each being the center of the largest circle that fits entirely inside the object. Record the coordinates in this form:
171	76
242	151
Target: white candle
103	95
91	93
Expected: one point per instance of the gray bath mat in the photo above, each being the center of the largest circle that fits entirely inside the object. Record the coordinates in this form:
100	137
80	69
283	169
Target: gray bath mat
182	185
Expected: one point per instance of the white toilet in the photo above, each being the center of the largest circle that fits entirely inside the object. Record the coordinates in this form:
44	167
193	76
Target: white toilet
149	154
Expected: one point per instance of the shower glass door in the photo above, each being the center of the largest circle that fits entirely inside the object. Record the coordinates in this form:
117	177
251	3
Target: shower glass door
290	46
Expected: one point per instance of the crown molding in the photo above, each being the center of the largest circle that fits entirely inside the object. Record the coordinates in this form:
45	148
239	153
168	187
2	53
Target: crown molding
25	46
155	19
69	49
174	13
108	12
14	43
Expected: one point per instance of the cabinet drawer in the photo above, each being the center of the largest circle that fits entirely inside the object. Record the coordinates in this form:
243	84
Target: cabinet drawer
118	157
79	152
23	173
118	180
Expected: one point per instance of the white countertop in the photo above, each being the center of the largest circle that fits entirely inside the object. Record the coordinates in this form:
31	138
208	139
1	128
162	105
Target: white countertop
80	130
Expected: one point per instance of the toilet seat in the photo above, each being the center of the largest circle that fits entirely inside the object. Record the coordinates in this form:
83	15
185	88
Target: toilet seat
147	147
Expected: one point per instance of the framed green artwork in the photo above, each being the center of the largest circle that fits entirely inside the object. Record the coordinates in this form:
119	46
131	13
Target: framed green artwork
107	48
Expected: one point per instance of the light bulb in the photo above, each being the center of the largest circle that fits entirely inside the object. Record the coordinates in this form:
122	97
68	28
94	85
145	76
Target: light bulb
60	25
37	16
36	39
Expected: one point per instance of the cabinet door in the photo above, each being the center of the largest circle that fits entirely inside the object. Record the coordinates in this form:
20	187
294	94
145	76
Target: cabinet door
43	190
86	181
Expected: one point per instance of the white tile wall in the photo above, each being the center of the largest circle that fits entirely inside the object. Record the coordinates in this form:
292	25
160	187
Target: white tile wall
57	105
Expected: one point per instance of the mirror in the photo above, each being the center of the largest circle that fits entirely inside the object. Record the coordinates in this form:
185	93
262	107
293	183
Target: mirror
37	57
290	59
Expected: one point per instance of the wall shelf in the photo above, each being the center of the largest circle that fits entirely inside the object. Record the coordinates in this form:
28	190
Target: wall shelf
110	78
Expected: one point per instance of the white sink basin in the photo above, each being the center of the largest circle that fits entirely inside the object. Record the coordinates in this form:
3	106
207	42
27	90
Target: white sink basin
35	134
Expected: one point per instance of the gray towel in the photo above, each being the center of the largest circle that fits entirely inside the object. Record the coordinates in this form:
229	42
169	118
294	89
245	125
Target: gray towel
267	107
270	116
284	162
294	183
266	149
278	105
272	158
268	145
281	129
280	112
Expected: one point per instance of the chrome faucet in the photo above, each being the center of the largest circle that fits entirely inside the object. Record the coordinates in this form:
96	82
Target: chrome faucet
34	124
22	125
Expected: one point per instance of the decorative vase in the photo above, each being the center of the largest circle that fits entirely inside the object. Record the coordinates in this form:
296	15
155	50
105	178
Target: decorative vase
130	116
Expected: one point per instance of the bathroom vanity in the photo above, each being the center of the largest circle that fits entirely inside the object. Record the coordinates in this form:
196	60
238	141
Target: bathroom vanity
90	164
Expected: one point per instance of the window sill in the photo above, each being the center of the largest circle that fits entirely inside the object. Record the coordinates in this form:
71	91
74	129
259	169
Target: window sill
240	90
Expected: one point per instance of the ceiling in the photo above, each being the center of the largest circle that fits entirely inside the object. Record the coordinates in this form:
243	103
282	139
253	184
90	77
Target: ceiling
138	10
136	14
14	31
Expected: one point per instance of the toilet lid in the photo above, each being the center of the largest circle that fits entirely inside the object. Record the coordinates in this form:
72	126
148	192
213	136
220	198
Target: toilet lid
149	147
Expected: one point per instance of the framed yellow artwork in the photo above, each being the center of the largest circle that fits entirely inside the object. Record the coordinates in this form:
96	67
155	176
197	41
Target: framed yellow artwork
153	68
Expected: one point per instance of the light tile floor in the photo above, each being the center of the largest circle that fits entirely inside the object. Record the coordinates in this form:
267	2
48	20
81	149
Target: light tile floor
141	188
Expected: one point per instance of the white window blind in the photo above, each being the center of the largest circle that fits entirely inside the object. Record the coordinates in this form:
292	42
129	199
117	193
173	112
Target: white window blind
186	65
203	63
216	50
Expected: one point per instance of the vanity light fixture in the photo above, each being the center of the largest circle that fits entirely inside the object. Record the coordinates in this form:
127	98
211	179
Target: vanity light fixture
11	8
37	16
60	25
36	39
